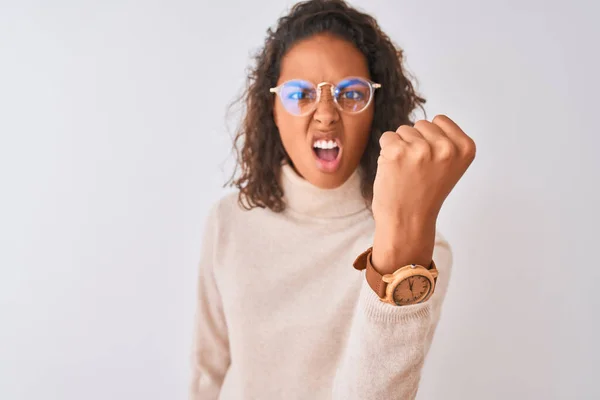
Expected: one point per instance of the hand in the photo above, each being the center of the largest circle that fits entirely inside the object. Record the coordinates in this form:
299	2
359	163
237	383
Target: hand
417	169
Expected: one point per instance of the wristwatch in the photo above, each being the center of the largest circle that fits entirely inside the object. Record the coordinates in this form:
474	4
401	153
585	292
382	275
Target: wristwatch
410	284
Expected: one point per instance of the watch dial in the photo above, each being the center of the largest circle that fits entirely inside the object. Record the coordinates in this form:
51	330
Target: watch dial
412	290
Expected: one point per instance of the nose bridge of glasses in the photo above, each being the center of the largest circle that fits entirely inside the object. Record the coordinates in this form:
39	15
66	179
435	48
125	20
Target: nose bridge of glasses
320	87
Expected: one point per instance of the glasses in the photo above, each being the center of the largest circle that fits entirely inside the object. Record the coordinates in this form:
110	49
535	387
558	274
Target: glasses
352	95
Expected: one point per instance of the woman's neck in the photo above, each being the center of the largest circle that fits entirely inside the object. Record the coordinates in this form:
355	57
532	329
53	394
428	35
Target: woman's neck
302	197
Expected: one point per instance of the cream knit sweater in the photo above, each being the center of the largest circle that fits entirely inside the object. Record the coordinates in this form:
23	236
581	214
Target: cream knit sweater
282	313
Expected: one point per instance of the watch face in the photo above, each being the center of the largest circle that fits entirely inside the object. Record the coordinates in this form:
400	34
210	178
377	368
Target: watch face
412	290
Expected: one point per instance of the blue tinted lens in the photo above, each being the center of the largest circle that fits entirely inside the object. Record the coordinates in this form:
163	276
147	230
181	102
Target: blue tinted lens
353	94
298	96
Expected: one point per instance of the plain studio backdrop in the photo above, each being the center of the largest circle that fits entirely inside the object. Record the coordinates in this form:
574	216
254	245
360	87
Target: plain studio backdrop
114	143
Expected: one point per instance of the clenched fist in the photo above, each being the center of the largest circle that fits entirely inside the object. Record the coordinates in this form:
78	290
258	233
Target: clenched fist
417	168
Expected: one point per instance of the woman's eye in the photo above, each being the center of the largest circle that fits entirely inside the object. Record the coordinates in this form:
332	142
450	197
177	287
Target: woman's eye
300	95
352	95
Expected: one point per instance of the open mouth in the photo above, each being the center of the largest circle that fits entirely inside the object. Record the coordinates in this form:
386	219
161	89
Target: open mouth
327	153
326	150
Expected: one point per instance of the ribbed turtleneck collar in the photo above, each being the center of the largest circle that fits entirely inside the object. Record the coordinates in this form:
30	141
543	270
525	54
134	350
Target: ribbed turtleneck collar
303	197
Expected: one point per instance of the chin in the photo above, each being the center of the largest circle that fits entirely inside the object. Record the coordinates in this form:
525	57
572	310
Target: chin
324	178
327	180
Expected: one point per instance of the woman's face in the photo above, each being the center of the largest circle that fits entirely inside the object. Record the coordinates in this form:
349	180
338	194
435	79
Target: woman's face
324	58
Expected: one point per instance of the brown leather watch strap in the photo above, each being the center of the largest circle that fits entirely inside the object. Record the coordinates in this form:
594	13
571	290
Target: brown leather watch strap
374	280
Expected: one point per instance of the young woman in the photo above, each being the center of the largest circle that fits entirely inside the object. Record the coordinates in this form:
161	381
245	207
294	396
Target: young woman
338	187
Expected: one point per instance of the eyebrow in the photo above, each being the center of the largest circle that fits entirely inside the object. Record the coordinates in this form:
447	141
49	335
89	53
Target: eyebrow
347	82
307	84
301	83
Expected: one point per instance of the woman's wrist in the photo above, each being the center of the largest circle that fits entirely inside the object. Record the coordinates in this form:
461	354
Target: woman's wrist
397	245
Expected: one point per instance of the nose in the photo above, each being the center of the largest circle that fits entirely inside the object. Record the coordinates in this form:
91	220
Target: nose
326	112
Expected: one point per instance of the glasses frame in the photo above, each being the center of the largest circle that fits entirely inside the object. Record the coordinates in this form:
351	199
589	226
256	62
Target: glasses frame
372	87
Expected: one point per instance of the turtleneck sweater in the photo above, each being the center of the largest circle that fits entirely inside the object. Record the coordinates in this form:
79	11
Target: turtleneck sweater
282	314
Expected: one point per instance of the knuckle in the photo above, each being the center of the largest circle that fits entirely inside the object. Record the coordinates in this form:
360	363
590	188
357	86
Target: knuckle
394	152
421	123
470	149
439	116
420	152
386	137
402	128
445	150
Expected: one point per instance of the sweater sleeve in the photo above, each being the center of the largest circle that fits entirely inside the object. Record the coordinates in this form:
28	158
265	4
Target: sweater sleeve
387	344
210	354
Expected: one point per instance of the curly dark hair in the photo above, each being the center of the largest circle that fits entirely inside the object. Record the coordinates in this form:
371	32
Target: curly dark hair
257	143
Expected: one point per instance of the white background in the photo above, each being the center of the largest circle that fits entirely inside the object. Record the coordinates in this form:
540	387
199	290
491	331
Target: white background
114	144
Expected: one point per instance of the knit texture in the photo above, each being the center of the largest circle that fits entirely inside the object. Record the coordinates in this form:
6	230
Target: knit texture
282	313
